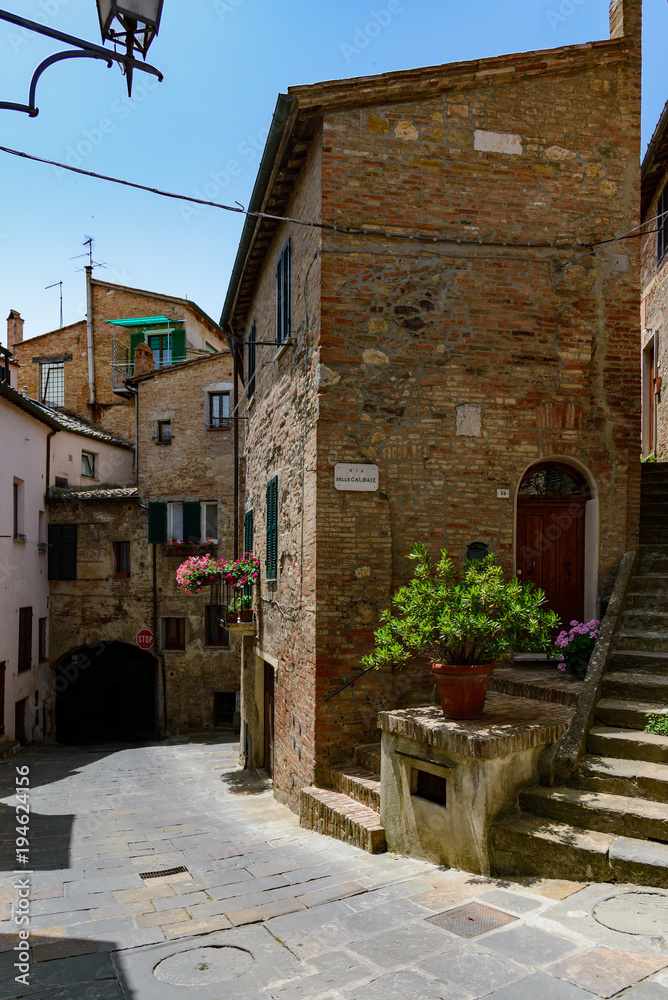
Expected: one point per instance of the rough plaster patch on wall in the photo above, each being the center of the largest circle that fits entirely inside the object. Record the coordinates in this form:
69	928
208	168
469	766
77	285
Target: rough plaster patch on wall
373	357
497	142
558	153
468	421
406	131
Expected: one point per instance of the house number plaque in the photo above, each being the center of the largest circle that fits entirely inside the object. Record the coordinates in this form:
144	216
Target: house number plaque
361	478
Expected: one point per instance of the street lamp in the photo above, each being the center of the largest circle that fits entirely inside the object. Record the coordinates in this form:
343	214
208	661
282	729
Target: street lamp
138	24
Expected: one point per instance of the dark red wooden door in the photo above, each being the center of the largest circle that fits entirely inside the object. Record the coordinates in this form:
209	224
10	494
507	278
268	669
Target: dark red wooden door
269	719
551	553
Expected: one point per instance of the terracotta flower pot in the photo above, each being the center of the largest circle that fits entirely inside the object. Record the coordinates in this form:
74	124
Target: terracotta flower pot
246	615
231	617
462	689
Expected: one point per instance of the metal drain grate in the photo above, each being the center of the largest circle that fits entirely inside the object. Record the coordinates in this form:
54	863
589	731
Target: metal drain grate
163	874
471	920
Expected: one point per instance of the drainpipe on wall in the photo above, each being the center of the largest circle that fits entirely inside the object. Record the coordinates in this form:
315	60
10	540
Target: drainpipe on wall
89	334
48	466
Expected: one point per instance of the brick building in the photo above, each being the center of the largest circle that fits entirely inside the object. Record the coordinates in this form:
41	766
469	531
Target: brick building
118	583
654	277
83	367
447	325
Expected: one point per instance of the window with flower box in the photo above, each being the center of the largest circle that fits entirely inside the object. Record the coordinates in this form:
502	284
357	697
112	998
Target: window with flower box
183	524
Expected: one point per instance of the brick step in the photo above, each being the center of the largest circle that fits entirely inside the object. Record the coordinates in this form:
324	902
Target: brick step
622	777
649	600
537	684
358	783
645	619
368	755
653	533
655	582
638	661
628	743
339	816
652	559
627	714
601	811
530	845
636	686
637	640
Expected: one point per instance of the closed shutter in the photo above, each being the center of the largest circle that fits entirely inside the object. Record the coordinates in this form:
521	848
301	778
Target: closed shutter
62	552
248	531
157	523
25	639
192	522
135	340
272	528
178	346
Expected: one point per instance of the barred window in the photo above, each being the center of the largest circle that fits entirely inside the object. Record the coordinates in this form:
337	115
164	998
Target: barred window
52	383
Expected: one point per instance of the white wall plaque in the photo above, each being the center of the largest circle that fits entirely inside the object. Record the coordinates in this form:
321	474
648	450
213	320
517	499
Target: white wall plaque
362	478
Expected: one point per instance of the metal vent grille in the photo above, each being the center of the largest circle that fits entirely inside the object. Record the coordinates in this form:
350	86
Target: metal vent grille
162	874
471	920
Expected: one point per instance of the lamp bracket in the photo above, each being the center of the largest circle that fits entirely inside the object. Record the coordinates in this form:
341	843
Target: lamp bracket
88	50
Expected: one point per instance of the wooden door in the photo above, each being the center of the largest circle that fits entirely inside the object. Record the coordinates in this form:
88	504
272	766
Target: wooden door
20	719
651	408
551	553
3	667
269	719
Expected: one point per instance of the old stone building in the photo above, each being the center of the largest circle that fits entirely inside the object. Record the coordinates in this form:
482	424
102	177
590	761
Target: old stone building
446	352
83	367
120	583
654	276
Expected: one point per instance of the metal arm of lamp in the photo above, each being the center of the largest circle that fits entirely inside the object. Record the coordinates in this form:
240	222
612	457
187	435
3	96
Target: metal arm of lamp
87	50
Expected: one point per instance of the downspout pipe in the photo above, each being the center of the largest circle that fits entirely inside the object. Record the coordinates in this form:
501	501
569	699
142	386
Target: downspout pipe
48	464
89	335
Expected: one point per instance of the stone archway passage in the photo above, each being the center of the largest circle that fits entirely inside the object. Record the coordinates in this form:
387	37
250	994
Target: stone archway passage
106	693
551	536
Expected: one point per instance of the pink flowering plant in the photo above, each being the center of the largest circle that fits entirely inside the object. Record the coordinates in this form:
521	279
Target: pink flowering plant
576	645
198	572
243	572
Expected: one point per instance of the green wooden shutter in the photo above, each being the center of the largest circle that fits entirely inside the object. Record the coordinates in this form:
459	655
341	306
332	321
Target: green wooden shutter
178	347
62	552
157	523
272	528
192	522
248	531
135	340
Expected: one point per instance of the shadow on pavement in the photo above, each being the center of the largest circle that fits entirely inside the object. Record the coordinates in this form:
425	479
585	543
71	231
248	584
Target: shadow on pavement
60	969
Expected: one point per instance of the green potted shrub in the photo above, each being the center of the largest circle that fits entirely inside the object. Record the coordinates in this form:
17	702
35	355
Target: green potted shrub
246	608
463	625
232	613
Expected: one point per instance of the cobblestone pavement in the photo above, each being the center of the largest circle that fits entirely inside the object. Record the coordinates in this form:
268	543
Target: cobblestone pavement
267	911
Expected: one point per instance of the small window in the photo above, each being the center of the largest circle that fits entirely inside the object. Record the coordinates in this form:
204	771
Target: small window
210	521
62	482
283	297
161	345
432	787
224	708
121	560
62	551
25	639
216	634
52	383
18	511
41	528
662	234
88	465
174	634
163	432
175	522
252	337
249	519
43	645
219	409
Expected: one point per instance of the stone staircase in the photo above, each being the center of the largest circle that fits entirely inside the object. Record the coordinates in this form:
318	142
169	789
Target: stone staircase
350	810
610	823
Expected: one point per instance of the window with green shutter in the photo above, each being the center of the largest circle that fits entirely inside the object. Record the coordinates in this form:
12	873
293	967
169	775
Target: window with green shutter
283	297
192	522
178	346
62	552
135	340
248	531
272	528
157	523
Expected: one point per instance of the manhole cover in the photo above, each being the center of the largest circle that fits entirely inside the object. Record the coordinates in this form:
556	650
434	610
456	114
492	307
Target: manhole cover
471	920
634	913
204	966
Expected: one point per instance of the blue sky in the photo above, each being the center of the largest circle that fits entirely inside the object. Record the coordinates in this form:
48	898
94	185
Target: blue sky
224	66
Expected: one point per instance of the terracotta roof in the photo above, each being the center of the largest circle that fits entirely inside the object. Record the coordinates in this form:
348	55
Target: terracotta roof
101	493
655	163
76	425
225	353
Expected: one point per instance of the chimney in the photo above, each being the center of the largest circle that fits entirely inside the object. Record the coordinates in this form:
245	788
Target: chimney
625	18
14	329
143	359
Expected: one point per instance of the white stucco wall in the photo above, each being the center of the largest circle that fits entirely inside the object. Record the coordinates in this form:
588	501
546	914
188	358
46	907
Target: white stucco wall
113	465
23	568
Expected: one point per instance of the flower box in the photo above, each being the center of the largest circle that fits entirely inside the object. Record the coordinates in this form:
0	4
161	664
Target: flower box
189	549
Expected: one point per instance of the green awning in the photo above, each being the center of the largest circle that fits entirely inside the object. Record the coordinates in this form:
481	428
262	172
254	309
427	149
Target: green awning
146	321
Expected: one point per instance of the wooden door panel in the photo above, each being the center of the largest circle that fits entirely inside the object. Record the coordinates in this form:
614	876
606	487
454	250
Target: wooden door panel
550	554
269	719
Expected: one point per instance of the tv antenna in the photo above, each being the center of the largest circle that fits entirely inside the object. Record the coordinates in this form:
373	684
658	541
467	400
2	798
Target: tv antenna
90	243
60	285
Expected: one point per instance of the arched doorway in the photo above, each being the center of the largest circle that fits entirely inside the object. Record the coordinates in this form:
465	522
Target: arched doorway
105	693
552	543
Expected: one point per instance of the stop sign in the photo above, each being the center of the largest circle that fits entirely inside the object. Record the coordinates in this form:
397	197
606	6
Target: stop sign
145	639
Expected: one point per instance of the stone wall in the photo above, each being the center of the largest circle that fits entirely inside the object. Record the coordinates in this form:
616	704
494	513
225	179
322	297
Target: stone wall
653	322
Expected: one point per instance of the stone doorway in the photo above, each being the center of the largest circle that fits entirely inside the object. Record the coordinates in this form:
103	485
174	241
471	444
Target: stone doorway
106	693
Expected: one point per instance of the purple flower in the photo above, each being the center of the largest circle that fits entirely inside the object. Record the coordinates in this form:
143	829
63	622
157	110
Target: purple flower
561	666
